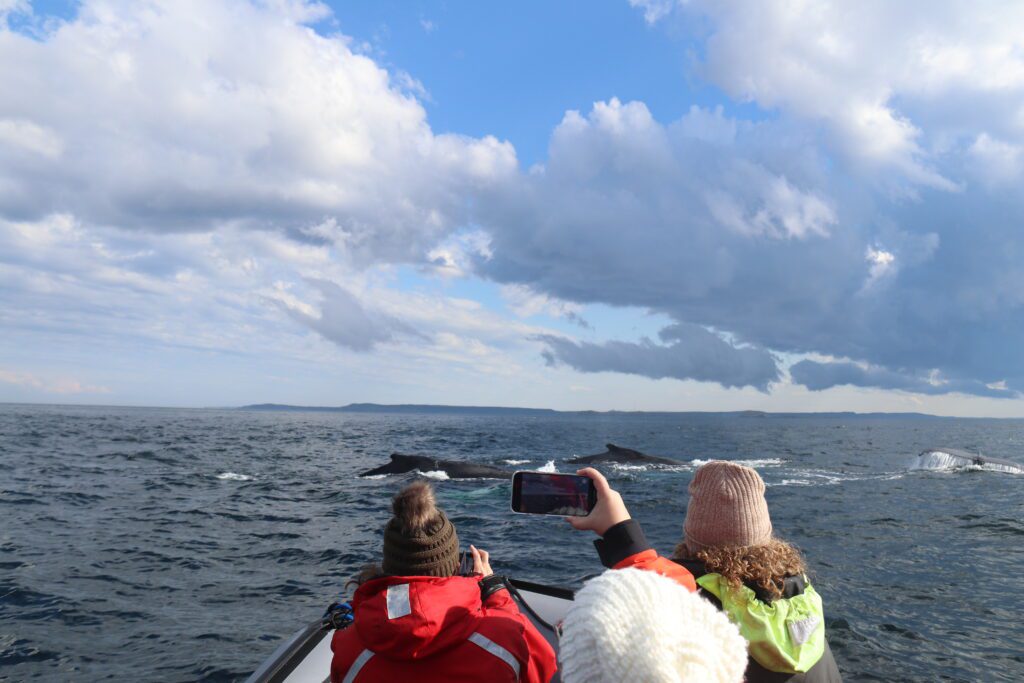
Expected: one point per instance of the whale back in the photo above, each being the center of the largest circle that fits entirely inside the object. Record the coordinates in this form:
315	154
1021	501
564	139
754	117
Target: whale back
619	454
401	463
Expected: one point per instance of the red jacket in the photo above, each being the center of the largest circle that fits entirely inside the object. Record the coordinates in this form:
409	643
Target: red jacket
422	628
651	561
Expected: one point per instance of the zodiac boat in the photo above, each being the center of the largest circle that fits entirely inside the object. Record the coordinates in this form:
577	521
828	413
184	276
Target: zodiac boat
306	656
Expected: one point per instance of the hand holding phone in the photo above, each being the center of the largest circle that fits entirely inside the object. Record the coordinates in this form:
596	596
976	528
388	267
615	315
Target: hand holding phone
544	493
609	510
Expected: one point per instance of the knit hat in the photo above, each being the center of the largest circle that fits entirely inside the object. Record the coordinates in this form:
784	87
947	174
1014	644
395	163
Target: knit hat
727	508
635	625
419	540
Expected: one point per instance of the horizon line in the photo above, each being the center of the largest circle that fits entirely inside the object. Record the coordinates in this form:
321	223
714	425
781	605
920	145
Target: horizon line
269	407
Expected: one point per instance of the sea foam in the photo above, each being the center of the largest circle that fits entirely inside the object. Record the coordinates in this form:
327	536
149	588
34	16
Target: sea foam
234	476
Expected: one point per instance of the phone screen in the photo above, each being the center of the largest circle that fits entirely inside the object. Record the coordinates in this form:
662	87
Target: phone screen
541	493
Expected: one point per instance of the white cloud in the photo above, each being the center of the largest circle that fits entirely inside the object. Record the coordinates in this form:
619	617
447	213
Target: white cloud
654	10
885	80
59	385
27	136
882	262
190	114
526	303
996	162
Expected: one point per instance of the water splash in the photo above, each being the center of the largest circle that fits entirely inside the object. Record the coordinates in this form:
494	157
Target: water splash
755	463
549	466
940	461
233	476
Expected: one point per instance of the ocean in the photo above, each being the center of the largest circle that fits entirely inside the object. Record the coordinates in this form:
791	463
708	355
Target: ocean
184	545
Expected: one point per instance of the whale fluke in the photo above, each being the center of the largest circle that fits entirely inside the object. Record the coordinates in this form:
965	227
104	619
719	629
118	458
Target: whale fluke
948	458
626	455
401	463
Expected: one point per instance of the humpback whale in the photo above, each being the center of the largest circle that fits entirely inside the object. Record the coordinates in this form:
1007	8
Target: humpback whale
939	458
619	454
453	468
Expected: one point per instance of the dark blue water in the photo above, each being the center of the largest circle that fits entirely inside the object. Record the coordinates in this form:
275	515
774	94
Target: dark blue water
180	545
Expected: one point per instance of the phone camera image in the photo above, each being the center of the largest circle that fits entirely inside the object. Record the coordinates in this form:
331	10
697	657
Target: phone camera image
538	493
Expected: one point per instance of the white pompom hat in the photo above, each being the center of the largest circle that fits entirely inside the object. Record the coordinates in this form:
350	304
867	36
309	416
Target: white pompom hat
635	625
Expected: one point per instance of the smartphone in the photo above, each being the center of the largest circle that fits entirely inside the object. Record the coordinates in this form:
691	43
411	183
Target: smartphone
541	493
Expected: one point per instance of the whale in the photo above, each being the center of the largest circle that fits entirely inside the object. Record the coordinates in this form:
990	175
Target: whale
943	457
622	455
401	463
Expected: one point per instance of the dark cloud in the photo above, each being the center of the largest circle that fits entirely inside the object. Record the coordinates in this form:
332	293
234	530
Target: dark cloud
753	230
820	376
689	352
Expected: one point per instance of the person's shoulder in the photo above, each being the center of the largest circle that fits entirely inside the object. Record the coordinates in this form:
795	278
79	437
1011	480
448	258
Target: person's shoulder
692	565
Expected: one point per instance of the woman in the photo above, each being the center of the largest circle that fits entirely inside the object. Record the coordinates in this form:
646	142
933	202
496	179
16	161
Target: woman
416	619
757	579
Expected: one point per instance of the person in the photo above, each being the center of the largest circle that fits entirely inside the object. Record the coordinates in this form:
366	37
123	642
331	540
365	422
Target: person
636	625
417	619
730	552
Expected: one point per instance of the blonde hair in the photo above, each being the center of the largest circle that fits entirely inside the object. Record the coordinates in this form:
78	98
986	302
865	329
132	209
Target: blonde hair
765	566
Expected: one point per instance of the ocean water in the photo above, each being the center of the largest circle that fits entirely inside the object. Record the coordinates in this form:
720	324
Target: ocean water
181	545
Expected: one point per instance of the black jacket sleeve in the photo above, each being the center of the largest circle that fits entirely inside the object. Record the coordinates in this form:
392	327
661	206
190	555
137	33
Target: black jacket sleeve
621	541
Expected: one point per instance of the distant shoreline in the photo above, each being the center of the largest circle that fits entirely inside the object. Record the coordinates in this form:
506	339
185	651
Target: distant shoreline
432	409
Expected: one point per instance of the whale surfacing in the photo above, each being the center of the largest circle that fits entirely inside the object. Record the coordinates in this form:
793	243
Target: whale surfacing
952	458
401	463
622	455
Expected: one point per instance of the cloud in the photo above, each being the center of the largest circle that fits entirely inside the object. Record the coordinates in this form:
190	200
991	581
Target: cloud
654	10
687	352
526	303
61	385
345	321
818	376
893	104
187	115
218	175
754	230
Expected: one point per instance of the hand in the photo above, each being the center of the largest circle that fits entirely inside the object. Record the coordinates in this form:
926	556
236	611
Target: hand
481	561
609	510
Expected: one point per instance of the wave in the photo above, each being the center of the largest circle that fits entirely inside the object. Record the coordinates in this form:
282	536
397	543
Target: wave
826	478
234	476
549	466
626	467
436	475
511	461
755	463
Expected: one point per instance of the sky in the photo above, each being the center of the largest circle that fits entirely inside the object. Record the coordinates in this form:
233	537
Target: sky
629	205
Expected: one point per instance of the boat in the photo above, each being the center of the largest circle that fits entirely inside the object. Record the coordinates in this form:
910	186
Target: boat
305	657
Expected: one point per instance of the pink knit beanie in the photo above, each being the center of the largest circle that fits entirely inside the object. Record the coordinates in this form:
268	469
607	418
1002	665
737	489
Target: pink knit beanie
727	508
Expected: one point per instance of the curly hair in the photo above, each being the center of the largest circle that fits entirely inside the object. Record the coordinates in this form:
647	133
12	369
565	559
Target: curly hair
766	566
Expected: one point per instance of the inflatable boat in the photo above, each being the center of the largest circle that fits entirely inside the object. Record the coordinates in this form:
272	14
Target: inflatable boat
306	656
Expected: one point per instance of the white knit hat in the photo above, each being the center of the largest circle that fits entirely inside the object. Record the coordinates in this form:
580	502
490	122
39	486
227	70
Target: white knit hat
634	625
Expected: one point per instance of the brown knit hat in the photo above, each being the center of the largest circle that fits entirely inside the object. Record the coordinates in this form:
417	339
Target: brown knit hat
727	508
419	540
